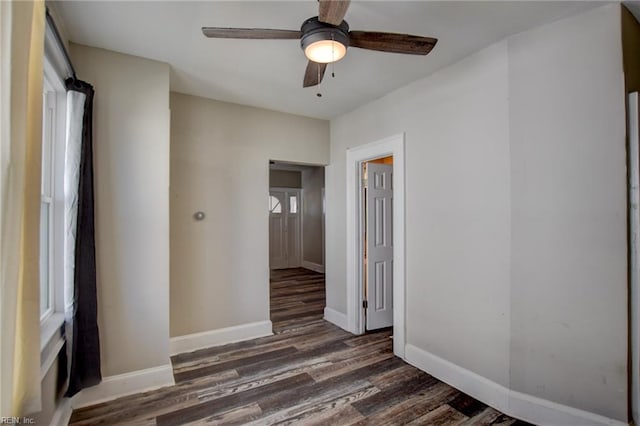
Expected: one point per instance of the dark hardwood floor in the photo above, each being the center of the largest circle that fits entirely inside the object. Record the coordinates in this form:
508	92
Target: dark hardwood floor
308	373
297	297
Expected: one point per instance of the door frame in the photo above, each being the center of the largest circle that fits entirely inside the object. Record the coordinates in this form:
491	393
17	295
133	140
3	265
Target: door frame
633	166
300	218
394	146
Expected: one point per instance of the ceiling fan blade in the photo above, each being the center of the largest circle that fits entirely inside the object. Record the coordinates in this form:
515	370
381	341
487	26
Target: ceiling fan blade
392	42
250	33
311	74
333	11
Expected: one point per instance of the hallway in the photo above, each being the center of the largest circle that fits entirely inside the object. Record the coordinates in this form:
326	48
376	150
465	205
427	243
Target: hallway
297	295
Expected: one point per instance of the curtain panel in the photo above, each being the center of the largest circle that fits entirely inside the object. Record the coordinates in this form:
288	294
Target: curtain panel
21	52
80	259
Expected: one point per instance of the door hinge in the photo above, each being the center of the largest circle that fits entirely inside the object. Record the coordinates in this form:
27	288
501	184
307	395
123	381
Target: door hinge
365	304
364	182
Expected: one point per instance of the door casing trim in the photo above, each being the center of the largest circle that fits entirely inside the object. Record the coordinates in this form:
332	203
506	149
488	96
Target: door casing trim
393	145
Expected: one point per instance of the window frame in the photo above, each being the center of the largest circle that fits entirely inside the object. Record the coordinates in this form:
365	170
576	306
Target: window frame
47	190
54	97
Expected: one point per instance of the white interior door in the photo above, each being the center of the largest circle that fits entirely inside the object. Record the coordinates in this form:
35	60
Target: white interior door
284	228
379	246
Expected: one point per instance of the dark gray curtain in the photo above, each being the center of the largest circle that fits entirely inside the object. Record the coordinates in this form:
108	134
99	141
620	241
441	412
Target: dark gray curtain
85	342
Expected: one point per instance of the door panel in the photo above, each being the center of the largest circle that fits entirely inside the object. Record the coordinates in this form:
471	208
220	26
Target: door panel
379	204
284	229
277	243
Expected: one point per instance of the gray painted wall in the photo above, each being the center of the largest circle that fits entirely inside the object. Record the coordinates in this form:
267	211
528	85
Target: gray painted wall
313	216
131	159
515	211
220	156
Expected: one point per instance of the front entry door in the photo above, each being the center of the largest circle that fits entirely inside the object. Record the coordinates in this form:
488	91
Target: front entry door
284	228
379	246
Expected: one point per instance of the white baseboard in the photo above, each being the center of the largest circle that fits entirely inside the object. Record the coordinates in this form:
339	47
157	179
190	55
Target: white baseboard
62	415
335	317
119	385
316	267
545	412
522	406
222	336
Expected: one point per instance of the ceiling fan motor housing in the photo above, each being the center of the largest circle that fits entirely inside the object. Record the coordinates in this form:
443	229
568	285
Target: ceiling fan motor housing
313	30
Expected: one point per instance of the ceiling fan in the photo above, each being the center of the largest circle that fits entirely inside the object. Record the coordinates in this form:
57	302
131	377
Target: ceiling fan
326	37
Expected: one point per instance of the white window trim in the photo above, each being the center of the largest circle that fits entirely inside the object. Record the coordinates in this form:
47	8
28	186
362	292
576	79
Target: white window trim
46	197
53	318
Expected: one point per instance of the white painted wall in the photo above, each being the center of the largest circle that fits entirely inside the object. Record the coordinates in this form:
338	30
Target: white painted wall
220	156
131	160
515	211
568	206
457	202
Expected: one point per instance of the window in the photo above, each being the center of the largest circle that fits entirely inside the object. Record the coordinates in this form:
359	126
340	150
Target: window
293	204
52	202
46	201
52	199
274	205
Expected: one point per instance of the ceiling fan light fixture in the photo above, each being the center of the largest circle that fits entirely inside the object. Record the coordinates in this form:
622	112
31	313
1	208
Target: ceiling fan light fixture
324	43
325	51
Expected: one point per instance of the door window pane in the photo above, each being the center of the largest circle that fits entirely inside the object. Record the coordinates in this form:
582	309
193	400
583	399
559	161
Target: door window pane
274	205
293	204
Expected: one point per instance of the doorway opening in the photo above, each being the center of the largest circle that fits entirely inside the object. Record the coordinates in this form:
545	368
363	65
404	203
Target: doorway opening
296	244
376	234
393	272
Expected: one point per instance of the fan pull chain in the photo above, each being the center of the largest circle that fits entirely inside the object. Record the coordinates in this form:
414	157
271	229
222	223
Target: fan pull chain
319	94
333	55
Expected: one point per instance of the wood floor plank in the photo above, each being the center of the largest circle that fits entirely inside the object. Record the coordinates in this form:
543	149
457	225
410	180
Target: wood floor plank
309	372
413	407
441	416
488	416
288	359
369	337
306	405
235	416
337	369
235	354
467	405
145	404
395	394
229	365
321	408
215	406
316	392
391	377
341	416
262	378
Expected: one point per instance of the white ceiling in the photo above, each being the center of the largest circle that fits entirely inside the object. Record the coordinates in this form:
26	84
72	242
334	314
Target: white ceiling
634	7
268	73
